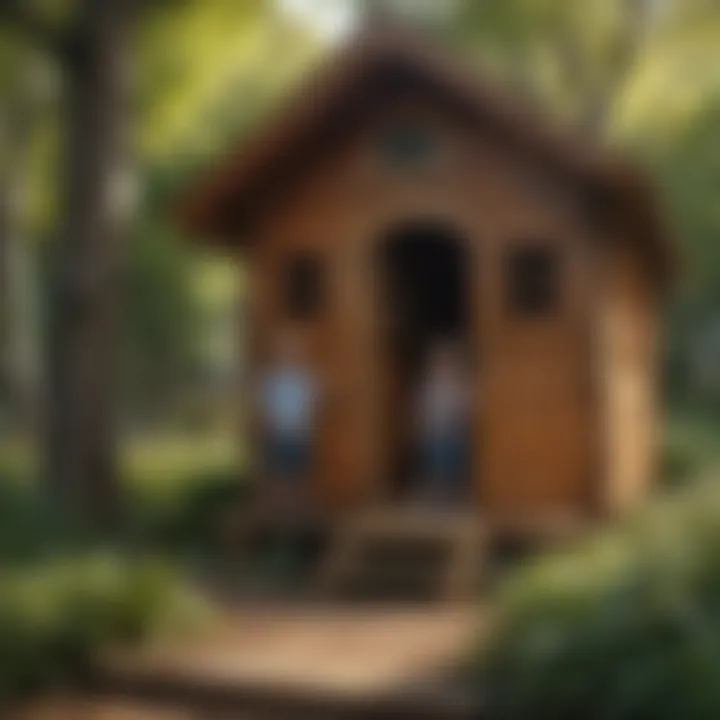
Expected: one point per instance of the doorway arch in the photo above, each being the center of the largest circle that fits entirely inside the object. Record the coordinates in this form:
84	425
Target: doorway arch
425	290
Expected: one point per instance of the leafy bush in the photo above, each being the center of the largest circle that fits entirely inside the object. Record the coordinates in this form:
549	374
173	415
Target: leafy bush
64	596
680	462
690	451
190	519
56	615
31	528
627	626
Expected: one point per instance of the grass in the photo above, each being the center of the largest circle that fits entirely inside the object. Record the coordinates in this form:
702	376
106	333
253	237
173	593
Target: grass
175	487
19	463
153	467
158	467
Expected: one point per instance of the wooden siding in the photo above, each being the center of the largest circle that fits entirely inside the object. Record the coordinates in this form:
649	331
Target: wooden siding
629	330
535	415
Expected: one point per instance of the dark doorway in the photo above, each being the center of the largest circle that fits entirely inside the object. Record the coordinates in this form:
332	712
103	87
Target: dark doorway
424	299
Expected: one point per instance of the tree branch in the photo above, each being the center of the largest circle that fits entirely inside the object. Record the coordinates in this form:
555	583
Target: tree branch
34	27
621	63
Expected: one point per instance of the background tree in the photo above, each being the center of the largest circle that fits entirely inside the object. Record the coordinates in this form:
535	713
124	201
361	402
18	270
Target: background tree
92	45
25	95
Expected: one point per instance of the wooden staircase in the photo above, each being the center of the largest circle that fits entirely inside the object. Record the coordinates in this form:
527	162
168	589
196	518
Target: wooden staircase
405	555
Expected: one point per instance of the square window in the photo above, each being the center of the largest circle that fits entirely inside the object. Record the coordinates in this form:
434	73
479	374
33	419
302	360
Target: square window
533	281
304	289
407	146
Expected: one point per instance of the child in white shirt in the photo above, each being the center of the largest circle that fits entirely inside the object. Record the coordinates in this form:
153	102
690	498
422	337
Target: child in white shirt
443	414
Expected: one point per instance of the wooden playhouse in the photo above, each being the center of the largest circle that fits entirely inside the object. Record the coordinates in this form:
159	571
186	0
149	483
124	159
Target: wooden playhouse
398	197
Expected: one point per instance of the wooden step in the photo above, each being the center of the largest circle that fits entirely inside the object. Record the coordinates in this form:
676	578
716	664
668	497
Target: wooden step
405	554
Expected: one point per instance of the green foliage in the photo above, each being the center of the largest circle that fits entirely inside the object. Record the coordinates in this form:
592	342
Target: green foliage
175	486
190	520
678	463
688	167
619	65
157	468
29	527
203	71
627	626
64	597
209	67
204	77
178	488
56	615
161	318
690	454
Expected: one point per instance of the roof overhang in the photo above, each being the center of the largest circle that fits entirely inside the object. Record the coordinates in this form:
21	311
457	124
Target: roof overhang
224	203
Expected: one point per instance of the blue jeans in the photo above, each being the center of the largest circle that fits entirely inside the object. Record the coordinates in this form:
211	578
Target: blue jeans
287	455
445	460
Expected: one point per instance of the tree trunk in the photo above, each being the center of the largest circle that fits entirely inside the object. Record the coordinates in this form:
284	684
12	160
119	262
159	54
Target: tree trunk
81	466
6	382
15	127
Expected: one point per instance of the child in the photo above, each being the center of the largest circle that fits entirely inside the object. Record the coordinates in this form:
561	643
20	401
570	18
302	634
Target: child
288	402
288	399
443	415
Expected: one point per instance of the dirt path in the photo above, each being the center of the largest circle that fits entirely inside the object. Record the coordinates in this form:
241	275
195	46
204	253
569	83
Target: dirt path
289	662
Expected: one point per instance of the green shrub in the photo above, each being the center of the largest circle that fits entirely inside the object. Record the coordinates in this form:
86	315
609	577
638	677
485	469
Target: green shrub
56	615
64	596
680	463
690	451
626	626
31	528
190	518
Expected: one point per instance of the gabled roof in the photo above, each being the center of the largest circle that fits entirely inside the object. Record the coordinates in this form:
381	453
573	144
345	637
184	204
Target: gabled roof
223	203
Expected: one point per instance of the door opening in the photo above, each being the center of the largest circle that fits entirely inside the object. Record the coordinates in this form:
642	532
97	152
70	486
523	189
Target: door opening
424	303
